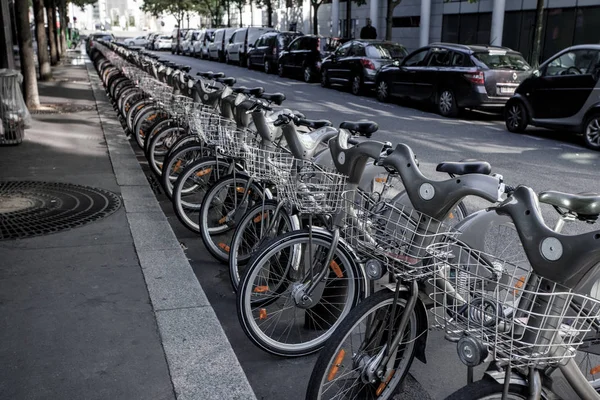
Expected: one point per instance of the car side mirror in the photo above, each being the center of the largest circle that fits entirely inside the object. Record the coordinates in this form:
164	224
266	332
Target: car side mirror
536	73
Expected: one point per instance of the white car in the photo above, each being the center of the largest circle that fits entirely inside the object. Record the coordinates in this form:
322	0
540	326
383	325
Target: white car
201	45
237	47
163	42
191	37
136	41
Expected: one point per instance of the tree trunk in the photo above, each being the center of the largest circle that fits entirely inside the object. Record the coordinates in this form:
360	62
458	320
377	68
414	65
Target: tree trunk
56	32
240	8
537	40
51	35
269	14
348	18
42	41
62	10
316	18
391	4
30	89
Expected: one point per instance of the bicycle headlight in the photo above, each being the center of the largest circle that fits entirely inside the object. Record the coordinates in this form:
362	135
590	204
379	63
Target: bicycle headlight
374	269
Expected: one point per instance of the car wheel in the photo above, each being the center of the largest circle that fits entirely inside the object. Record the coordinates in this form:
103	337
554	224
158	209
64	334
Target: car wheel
308	74
281	70
248	63
383	91
447	103
267	67
227	60
131	44
324	79
591	133
515	117
356	85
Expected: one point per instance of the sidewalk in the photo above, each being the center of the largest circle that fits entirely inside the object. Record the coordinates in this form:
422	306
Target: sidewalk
111	309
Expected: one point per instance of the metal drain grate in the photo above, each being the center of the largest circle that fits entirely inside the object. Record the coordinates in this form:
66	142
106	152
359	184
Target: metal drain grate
39	208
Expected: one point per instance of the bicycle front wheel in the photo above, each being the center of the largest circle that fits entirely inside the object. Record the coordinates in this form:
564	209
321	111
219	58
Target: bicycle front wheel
487	389
268	296
256	227
362	336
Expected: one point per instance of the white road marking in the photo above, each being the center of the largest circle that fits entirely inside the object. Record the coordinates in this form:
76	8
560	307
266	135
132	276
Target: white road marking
496	128
572	146
533	137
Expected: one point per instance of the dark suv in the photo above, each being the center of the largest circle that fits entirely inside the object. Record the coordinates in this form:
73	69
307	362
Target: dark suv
564	93
454	76
265	51
304	55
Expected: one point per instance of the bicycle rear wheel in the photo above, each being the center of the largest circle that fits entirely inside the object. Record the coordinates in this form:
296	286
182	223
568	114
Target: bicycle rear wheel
487	389
177	160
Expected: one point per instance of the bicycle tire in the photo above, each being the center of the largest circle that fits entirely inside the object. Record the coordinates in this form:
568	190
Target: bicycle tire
216	235
193	186
329	364
256	218
159	147
489	389
176	161
255	295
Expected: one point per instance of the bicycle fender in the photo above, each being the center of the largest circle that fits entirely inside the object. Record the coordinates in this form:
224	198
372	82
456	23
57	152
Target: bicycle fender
515	379
422	322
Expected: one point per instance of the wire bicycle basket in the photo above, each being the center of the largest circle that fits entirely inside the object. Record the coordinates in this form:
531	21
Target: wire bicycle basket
523	319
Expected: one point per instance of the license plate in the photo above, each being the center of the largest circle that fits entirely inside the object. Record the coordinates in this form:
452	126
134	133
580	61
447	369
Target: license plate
506	90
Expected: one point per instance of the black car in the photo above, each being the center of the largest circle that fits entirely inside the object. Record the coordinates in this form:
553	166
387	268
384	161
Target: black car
564	93
356	63
304	55
265	51
454	76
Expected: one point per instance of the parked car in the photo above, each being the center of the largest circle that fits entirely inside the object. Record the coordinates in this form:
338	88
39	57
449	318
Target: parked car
201	45
564	93
136	41
454	76
175	44
163	42
266	49
356	63
237	48
304	55
109	37
187	45
216	49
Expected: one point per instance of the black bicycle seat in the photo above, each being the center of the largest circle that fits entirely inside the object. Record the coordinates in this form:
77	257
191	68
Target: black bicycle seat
363	127
465	167
226	81
584	204
314	123
239	89
186	68
276	98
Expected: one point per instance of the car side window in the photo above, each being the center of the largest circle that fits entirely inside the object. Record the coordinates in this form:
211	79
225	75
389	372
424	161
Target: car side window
343	51
439	58
417	59
295	45
458	60
305	43
576	62
358	50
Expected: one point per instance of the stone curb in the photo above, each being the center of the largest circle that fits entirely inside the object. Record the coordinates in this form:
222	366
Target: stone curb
201	360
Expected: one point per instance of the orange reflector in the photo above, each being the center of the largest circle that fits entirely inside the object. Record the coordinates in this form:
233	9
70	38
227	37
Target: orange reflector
224	247
177	166
259	218
262	314
519	284
261	289
223	220
241	190
383	385
595	370
451	215
152	117
336	269
204	172
381	180
336	365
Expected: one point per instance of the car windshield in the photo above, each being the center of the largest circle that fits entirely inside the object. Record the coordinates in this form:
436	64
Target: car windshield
496	59
166	37
386	50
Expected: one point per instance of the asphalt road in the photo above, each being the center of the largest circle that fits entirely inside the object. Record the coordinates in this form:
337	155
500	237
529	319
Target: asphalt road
540	158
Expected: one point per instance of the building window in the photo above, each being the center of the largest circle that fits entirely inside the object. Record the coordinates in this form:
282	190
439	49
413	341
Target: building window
467	28
406	22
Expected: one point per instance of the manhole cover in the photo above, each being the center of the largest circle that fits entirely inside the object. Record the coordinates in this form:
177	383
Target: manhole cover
39	208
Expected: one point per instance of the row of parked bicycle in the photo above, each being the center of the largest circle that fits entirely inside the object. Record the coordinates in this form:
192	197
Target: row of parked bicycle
312	219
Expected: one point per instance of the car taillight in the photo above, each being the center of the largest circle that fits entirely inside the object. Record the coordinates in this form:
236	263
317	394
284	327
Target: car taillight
318	44
368	64
476	77
274	51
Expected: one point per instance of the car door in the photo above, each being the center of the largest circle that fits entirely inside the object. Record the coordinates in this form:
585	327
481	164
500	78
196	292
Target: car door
427	77
564	85
335	65
291	55
403	76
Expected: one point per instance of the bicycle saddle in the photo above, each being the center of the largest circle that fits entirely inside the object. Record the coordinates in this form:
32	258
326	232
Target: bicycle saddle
314	123
276	98
465	167
584	204
365	128
244	90
226	81
211	75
